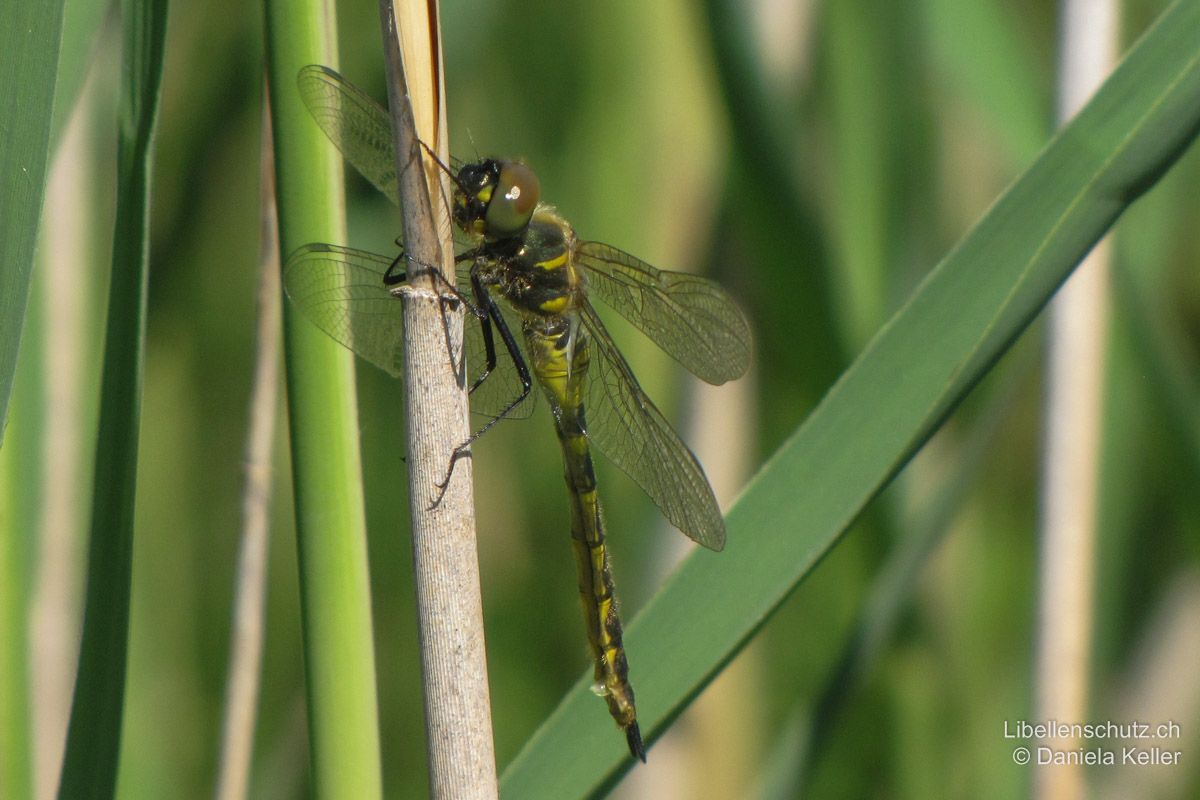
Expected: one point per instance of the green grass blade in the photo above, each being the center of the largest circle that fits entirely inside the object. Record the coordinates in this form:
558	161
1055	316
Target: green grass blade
29	39
21	491
1168	356
856	42
94	733
961	318
891	591
983	51
322	403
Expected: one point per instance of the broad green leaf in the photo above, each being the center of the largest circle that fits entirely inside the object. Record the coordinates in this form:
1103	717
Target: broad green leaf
29	39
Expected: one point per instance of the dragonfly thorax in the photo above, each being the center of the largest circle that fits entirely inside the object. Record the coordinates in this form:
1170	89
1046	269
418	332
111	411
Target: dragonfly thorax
535	272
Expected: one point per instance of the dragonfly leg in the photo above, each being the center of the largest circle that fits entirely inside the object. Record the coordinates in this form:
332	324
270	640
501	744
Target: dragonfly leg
477	310
393	276
493	317
485	321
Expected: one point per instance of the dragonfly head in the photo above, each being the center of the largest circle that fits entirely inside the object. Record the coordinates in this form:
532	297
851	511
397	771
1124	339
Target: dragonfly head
495	198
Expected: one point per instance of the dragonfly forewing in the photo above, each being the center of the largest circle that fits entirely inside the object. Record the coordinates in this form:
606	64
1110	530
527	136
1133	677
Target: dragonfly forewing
359	127
354	122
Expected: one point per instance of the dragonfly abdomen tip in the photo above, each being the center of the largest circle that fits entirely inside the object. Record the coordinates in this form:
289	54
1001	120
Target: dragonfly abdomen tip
633	735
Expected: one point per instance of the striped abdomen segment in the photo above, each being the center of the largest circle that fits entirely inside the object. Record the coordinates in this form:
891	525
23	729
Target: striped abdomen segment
552	352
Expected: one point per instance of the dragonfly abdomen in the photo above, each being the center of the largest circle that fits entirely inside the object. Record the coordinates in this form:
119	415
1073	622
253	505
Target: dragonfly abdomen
596	590
553	349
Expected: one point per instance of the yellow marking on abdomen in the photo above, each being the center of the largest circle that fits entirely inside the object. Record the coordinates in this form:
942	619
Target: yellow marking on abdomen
557	262
556	306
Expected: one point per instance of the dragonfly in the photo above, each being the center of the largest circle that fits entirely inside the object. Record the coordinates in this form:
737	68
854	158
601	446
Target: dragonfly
522	270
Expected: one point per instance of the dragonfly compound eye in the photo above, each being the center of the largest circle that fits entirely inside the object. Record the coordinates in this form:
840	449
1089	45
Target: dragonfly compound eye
513	200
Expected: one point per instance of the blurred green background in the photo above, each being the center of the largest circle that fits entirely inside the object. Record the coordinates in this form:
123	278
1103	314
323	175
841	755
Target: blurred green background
817	159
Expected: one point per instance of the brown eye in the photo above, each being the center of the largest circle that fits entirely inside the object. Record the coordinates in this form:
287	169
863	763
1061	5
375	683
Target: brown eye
513	200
